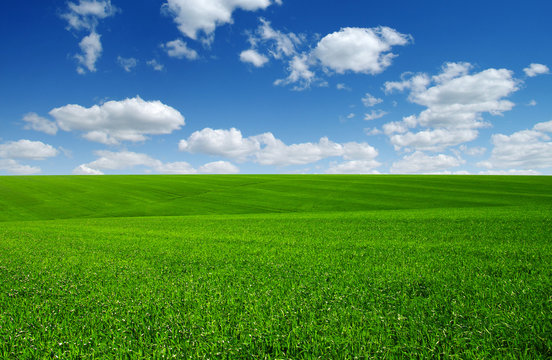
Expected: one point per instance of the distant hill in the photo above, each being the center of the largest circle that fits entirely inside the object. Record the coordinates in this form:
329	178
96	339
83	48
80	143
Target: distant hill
62	197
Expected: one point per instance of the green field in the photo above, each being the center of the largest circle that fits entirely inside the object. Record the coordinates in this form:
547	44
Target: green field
275	267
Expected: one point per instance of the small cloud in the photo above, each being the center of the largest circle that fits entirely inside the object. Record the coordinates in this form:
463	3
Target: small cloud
85	170
155	65
179	49
536	69
532	103
351	115
343	87
371	132
374	115
253	57
127	63
91	48
369	100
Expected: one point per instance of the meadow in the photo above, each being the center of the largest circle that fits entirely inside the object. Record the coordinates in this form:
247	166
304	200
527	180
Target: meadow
275	267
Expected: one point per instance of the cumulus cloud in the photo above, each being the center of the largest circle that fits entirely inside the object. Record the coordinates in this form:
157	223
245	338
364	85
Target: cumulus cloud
12	151
116	121
219	142
253	57
109	160
85	170
369	100
536	69
91	48
455	101
523	150
13	167
432	140
198	19
509	172
128	64
219	167
38	123
85	16
27	149
415	83
179	49
359	50
354	167
473	151
266	149
420	163
342	87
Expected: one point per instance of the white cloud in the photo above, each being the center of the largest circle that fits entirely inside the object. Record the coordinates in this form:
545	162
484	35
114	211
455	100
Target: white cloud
85	14
127	63
299	72
116	121
227	143
372	132
198	19
454	105
368	100
91	48
536	69
354	167
24	149
155	65
27	149
122	160
532	103
280	45
451	71
509	172
418	163
473	151
219	167
342	87
360	50
543	127
524	150
374	115
179	49
266	149
85	170
275	152
38	123
253	57
351	115
416	83
13	167
393	127
432	140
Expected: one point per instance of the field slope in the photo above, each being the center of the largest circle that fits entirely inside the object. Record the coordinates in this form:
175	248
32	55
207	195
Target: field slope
62	197
275	267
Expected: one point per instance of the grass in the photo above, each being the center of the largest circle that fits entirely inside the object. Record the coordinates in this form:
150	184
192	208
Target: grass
275	267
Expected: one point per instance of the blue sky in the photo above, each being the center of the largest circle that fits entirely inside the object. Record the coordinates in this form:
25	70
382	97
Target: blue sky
275	86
